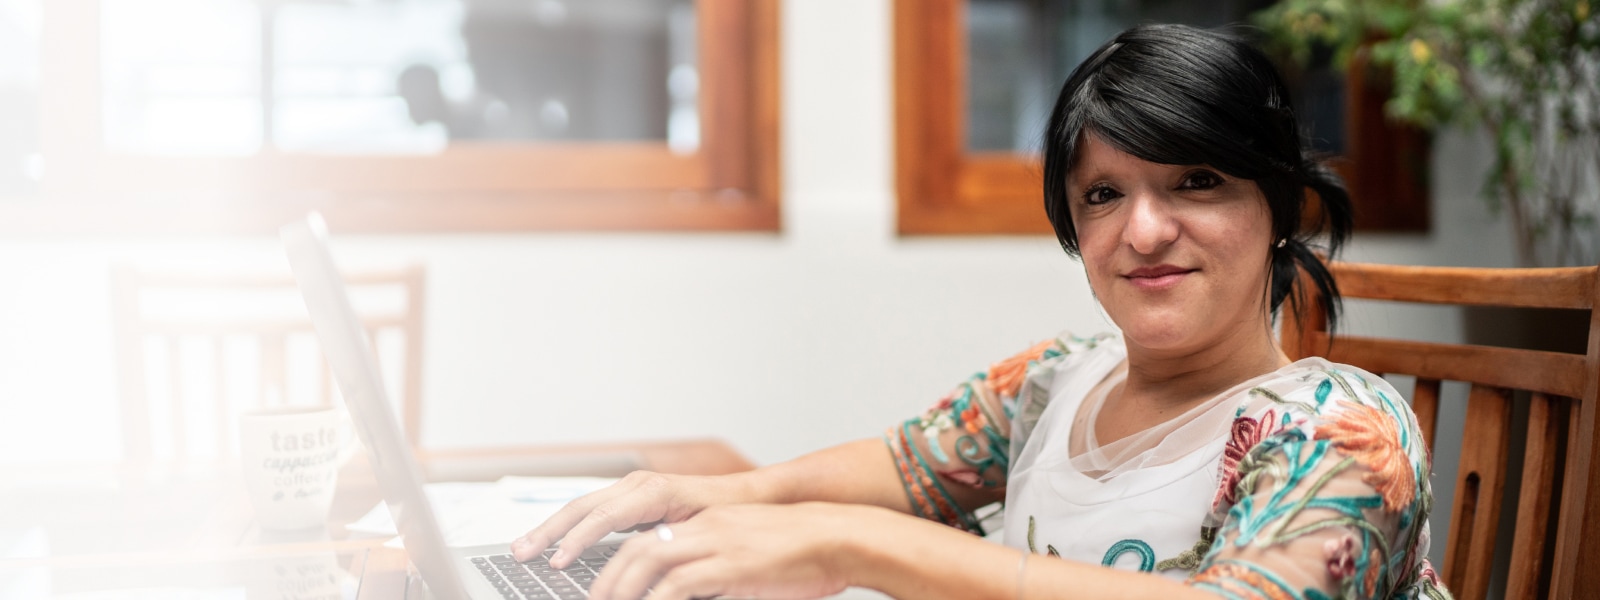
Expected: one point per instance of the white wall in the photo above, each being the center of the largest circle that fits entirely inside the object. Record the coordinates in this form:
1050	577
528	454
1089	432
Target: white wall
829	331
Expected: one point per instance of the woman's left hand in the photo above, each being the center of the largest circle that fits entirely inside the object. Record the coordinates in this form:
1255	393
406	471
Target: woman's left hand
771	551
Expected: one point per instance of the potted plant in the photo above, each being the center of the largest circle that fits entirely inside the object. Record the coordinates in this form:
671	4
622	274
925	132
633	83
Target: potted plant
1525	71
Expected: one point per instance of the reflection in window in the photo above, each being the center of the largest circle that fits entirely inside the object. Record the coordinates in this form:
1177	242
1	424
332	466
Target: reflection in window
20	163
1021	50
232	77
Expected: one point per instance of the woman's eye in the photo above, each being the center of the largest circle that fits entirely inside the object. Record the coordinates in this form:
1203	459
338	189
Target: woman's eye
1099	195
1201	180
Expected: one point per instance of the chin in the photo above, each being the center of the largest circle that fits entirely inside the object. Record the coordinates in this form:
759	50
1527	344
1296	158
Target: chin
1155	336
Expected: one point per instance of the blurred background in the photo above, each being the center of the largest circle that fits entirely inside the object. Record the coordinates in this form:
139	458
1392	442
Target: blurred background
637	219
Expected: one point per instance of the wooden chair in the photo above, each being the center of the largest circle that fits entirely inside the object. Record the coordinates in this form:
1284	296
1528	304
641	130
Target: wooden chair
1559	491
165	324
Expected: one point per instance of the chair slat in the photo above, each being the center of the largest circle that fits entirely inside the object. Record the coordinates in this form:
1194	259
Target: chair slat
223	424
1480	481
274	379
1425	404
1530	288
1528	559
223	281
1589	452
167	326
1575	567
1554	373
132	386
412	339
176	401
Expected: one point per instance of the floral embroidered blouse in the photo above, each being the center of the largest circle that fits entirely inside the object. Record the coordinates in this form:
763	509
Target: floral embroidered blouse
1307	482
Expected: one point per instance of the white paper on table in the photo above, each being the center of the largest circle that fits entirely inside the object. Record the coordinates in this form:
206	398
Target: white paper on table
480	513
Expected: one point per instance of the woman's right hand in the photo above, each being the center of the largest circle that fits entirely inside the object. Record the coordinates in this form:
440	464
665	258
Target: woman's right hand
639	501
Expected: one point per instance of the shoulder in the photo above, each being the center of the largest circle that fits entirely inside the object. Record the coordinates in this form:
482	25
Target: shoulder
1349	412
1012	376
1026	400
1328	437
1311	393
1059	355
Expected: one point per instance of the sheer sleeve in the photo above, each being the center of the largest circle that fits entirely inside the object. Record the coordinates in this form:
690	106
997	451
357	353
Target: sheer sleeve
964	439
1334	505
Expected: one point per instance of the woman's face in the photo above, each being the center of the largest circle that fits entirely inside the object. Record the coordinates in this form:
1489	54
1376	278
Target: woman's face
1178	255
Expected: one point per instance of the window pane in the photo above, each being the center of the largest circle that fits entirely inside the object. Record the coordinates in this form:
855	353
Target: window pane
181	76
401	77
1020	51
20	162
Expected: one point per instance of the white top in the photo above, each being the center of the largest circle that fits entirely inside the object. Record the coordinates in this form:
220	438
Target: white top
1311	479
1140	500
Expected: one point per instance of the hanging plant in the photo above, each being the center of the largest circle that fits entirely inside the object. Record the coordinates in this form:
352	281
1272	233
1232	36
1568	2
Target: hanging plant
1527	72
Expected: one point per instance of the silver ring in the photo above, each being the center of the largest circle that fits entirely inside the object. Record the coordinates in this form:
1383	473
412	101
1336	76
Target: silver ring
663	533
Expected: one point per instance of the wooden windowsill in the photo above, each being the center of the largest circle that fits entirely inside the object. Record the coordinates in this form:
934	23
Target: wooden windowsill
643	210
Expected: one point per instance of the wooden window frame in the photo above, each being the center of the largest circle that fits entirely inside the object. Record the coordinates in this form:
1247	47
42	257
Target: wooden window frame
944	189
730	183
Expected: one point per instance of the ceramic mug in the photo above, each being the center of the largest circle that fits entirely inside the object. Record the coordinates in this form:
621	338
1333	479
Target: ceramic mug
291	464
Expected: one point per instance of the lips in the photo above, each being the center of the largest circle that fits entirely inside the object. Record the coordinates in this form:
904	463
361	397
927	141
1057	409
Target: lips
1157	277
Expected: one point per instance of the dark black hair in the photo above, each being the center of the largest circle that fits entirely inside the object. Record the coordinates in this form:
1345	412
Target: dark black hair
1178	95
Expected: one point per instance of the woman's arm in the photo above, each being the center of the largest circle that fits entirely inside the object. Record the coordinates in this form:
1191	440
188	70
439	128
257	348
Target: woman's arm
955	453
811	550
941	465
859	472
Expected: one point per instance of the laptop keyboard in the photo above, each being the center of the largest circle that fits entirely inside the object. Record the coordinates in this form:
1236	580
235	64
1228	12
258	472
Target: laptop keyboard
537	580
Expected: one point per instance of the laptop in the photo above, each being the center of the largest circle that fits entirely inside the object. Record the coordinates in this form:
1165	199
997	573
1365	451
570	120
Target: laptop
476	573
466	573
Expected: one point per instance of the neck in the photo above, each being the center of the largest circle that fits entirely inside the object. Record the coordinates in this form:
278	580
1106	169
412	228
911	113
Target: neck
1168	380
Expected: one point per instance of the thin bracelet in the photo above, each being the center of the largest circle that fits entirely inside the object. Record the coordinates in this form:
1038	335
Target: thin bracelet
1022	571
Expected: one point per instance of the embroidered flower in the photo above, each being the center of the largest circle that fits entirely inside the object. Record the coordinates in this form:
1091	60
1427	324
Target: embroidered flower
939	417
1242	582
1373	439
1428	574
1370	585
1005	377
972	419
937	421
1340	555
1247	432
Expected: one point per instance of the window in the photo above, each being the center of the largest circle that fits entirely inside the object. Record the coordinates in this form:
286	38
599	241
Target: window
424	115
20	162
975	81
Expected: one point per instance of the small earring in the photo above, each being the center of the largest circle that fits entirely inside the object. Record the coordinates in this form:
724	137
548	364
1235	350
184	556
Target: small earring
1282	242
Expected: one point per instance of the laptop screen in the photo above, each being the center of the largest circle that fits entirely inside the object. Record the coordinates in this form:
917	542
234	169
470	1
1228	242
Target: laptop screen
355	368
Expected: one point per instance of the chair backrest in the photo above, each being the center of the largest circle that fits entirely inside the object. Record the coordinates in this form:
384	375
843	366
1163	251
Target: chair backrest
1559	492
195	350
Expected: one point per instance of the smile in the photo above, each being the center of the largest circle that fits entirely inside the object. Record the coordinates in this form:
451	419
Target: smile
1158	277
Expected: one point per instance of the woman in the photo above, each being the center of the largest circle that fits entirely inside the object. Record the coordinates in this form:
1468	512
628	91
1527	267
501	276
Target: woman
1187	452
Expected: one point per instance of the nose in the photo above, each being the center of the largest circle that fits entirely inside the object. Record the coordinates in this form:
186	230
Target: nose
1151	224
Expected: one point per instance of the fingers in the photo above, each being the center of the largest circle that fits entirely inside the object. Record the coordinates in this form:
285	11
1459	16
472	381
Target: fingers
637	498
744	550
698	579
604	519
641	563
553	528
